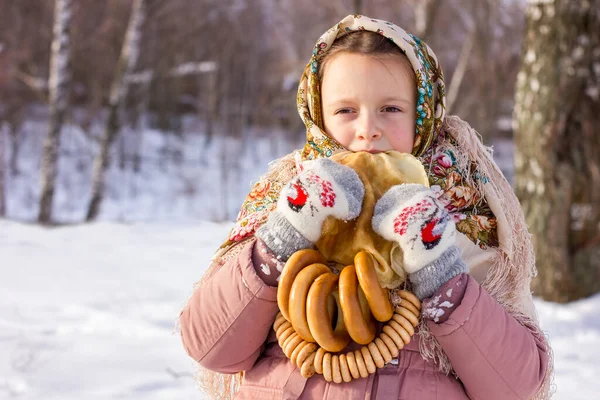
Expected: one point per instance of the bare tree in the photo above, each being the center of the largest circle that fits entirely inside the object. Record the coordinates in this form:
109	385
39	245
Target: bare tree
14	117
425	15
358	6
59	86
211	107
126	65
557	145
2	173
459	71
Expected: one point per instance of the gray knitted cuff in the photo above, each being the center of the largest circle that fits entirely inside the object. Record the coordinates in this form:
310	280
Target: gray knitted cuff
429	279
281	237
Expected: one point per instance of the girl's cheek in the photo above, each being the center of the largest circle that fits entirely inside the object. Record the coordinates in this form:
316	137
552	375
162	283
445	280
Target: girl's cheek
404	141
340	134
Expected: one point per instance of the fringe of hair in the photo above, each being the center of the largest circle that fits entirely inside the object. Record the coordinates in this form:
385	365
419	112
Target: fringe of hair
219	386
509	278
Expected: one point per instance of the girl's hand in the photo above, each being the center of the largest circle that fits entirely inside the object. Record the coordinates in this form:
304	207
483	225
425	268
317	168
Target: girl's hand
324	189
411	215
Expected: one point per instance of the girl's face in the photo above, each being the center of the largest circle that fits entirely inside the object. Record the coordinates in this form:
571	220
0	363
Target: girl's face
369	102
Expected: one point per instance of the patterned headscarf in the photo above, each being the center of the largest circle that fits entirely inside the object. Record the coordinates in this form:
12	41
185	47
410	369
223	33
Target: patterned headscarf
455	187
431	92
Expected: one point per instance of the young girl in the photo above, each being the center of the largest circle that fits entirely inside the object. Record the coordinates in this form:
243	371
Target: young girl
372	87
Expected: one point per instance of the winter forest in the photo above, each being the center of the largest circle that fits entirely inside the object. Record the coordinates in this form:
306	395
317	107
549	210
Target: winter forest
132	130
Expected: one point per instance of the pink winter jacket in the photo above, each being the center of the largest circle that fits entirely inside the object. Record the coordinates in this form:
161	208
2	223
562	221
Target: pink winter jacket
227	327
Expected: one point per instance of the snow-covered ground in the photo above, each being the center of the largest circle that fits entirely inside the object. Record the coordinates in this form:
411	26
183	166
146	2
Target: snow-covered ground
88	312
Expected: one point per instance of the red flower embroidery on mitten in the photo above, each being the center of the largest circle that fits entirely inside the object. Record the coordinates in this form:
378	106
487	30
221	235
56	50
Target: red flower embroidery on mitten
409	214
326	195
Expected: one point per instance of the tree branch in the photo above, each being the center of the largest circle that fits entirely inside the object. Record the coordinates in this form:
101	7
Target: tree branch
460	70
38	85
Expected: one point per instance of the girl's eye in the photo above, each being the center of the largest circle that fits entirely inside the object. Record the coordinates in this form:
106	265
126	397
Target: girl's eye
391	109
344	111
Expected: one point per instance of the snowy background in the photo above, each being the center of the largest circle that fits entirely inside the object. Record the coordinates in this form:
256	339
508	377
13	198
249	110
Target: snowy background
88	311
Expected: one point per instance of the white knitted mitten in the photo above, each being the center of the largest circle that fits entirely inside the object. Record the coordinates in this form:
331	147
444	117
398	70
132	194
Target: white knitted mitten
411	215
325	188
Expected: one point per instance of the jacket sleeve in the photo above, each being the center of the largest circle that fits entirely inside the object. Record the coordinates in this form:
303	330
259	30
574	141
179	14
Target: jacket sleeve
494	356
228	318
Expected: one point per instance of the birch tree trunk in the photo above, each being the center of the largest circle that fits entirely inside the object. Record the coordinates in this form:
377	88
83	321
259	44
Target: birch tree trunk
126	65
59	91
557	145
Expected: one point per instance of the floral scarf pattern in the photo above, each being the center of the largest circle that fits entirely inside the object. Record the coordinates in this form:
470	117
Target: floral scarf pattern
437	151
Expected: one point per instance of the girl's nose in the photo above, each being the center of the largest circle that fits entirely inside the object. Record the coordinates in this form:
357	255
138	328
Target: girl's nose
367	129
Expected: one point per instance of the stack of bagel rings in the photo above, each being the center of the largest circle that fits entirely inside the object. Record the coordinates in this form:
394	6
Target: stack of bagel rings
321	312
